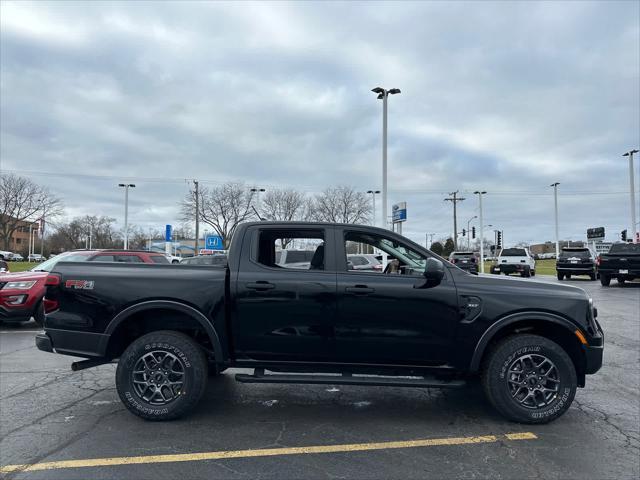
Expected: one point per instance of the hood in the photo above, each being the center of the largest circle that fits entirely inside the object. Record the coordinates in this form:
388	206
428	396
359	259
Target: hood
522	286
12	277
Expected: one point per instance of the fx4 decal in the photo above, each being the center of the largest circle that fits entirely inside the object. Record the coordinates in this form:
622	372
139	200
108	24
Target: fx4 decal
79	284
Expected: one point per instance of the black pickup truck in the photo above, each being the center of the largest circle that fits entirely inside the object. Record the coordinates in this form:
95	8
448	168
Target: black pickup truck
422	322
622	262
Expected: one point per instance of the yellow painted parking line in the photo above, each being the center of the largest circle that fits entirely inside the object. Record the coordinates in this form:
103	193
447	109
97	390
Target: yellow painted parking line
267	452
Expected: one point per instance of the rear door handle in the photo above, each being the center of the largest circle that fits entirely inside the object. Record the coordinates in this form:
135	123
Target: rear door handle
359	290
260	286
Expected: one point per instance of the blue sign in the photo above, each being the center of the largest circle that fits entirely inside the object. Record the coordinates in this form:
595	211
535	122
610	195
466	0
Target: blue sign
399	212
213	242
167	233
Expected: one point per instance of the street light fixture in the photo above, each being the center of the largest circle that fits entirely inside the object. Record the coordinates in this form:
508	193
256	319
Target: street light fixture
555	202
633	195
383	95
257	191
480	193
373	201
126	212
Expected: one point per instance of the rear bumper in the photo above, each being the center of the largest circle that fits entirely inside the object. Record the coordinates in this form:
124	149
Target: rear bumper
576	269
69	342
615	272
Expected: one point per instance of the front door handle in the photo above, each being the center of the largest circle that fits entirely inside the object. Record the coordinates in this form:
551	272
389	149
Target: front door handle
260	286
359	290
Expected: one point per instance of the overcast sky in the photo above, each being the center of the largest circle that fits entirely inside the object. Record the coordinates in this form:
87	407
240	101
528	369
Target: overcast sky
506	97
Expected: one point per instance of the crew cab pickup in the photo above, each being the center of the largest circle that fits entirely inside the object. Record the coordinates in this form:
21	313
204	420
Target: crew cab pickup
622	262
424	323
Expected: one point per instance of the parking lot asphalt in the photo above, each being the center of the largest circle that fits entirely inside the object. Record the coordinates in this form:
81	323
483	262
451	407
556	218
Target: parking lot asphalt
50	414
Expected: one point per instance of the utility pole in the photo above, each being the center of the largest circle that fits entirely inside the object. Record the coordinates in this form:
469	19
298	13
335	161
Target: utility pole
126	212
480	193
429	239
197	249
455	199
44	212
373	202
634	228
555	202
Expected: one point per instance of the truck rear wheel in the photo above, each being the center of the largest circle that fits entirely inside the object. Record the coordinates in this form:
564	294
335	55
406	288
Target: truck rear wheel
529	379
560	276
605	280
162	375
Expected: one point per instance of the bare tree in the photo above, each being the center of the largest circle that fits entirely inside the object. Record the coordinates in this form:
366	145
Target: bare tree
223	208
284	205
75	234
341	204
22	200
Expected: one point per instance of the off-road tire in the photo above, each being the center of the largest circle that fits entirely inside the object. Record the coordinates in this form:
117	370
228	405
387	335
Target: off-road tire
592	276
533	273
605	280
191	361
560	276
497	388
621	280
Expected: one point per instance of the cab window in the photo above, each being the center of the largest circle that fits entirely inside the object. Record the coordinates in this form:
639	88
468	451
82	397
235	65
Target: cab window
401	258
291	249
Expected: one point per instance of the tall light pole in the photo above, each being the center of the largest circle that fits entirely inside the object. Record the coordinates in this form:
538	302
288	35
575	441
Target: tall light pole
455	199
634	229
257	191
373	201
126	212
382	95
480	193
469	232
555	203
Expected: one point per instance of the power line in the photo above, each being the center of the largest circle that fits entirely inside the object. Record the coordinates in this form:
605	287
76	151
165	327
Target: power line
455	199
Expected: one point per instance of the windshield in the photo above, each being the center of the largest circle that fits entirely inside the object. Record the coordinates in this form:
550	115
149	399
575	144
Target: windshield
513	252
625	248
68	257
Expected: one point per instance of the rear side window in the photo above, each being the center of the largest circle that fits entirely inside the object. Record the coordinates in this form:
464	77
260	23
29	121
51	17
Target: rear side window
159	259
575	253
103	258
291	249
128	259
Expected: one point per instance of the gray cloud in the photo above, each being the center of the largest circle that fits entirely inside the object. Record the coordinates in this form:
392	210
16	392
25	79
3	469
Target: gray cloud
507	97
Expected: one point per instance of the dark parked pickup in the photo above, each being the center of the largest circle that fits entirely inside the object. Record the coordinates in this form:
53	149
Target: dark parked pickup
423	323
622	262
576	261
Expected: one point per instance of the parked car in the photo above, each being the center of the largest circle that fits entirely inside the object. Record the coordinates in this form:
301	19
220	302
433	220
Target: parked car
205	260
465	260
5	255
576	261
21	293
16	257
364	261
515	260
35	257
622	262
428	325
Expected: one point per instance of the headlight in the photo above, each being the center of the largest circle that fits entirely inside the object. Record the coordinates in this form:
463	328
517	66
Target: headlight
19	285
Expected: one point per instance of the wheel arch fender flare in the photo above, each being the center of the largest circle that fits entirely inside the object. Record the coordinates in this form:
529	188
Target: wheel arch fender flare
195	314
504	322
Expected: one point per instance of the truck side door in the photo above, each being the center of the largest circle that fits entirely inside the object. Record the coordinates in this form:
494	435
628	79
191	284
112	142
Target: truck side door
284	312
390	317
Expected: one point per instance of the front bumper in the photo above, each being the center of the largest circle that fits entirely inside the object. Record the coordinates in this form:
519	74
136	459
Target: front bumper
593	351
17	314
43	342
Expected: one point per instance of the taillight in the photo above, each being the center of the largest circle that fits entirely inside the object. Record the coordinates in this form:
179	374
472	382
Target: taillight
598	260
48	304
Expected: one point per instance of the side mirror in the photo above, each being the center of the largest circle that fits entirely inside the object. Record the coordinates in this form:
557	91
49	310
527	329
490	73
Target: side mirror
434	271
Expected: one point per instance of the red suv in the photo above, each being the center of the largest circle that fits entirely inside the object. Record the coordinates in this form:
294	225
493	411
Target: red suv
21	293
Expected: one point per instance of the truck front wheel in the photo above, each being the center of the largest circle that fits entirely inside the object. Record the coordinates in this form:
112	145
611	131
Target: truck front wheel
529	379
162	375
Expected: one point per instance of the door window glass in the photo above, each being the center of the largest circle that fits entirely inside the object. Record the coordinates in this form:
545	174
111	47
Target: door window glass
401	259
292	249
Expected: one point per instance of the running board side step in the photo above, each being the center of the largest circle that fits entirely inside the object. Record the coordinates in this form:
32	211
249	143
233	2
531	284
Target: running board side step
348	379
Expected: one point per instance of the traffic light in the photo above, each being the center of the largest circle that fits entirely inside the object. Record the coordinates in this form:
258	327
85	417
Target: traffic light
464	232
473	232
499	242
623	235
